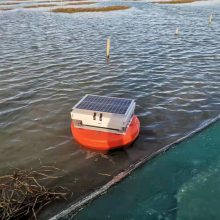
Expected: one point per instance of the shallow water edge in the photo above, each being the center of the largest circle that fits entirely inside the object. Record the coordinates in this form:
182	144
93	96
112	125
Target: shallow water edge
74	208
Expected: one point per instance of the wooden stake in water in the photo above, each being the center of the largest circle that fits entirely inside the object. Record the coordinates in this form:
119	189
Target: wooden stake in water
108	48
177	31
210	19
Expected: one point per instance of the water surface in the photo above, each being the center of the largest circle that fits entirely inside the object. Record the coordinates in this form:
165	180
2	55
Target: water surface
48	61
182	184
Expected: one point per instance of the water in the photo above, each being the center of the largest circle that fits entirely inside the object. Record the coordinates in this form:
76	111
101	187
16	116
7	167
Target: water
49	61
182	184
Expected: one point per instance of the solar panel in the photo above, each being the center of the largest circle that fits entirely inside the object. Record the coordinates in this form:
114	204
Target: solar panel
104	104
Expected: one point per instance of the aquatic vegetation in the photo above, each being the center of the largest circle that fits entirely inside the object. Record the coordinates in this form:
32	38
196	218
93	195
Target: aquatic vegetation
40	6
58	1
48	4
43	3
81	3
8	3
55	1
175	1
100	9
5	9
24	193
72	0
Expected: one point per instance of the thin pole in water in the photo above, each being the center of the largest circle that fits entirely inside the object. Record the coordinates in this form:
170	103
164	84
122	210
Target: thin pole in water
210	19
108	48
177	31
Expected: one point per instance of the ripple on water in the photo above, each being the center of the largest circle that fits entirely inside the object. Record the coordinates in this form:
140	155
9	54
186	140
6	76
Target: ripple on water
49	61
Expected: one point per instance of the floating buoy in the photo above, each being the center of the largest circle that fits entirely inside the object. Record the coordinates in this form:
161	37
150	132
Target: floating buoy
104	141
103	123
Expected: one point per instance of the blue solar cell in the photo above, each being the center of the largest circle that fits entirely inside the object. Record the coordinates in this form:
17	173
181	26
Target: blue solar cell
104	104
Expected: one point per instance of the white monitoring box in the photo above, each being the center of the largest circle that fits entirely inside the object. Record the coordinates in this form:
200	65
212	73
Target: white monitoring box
103	113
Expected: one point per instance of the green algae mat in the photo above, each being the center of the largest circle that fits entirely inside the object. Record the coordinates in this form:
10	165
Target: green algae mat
181	184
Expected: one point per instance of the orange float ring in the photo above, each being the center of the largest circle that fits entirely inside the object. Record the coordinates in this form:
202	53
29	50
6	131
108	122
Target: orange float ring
104	141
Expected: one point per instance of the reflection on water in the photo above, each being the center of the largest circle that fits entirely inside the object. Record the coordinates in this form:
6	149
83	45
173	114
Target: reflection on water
49	61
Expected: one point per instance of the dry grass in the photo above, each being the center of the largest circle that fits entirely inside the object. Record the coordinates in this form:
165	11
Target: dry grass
40	6
23	194
80	3
175	1
100	9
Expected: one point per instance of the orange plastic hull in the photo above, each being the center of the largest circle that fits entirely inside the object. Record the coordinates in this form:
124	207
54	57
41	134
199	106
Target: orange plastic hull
104	141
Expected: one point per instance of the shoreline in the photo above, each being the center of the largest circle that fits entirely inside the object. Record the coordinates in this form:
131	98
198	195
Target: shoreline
78	205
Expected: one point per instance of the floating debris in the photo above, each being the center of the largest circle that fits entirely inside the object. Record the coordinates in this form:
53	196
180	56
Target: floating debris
104	174
23	194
